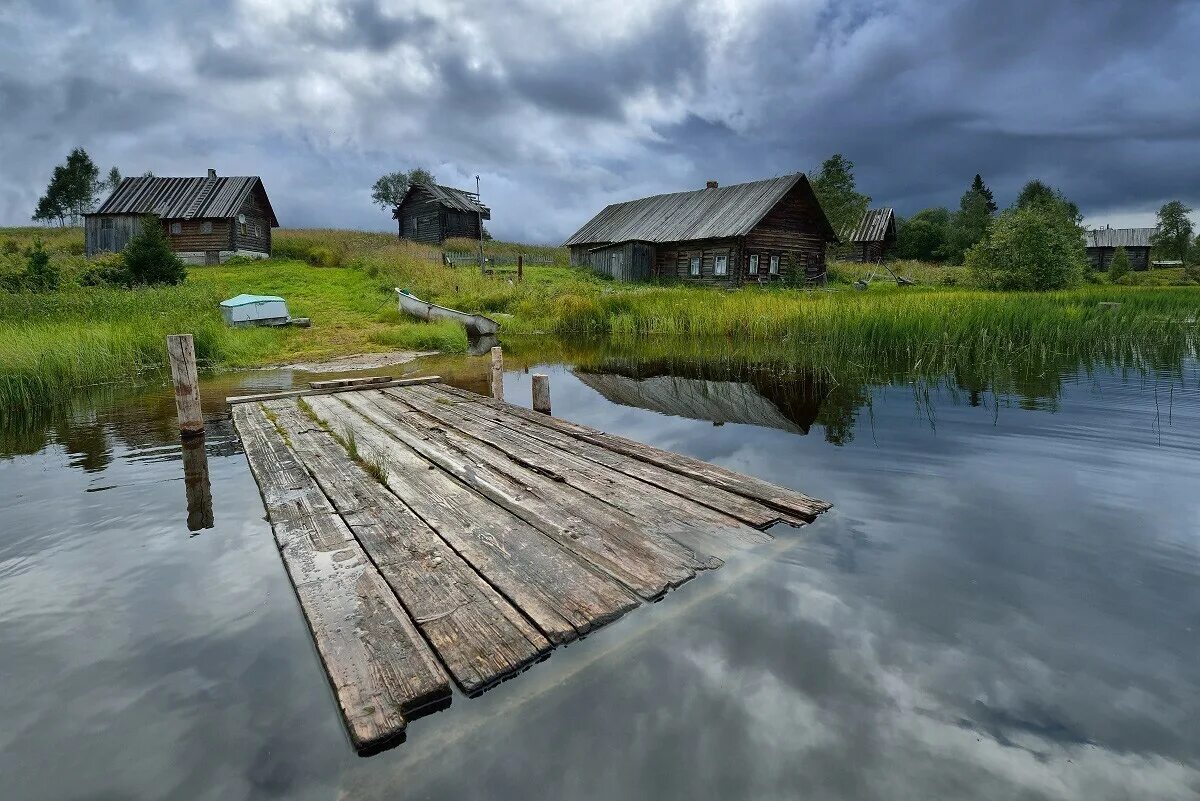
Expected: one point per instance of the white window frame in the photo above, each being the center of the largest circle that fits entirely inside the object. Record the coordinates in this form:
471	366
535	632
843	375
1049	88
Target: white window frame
206	227
774	268
753	264
721	264
695	266
176	228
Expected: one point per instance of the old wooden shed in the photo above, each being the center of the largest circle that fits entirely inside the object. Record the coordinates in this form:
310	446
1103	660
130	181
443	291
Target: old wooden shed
432	213
207	220
1103	242
759	231
874	236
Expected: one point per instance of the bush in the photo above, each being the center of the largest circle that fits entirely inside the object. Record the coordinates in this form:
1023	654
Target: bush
324	257
41	275
149	258
1119	267
1035	247
106	269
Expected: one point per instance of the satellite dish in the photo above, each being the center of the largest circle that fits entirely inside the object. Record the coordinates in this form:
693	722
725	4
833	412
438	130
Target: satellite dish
241	219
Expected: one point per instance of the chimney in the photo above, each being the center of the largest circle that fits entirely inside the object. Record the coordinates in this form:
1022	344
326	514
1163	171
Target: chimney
711	185
212	173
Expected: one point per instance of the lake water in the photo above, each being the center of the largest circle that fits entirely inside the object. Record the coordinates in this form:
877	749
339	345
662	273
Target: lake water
1004	603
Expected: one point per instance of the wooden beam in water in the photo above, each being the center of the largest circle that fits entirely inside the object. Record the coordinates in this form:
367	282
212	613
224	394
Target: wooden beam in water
301	393
479	636
381	670
350	382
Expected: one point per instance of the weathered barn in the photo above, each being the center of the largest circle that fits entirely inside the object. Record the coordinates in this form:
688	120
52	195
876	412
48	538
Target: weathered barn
759	231
1103	242
207	220
874	236
432	213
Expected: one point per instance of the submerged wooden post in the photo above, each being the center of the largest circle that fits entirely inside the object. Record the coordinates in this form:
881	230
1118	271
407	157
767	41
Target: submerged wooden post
497	373
541	393
181	353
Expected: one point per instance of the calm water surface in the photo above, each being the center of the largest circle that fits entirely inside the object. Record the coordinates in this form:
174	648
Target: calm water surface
1004	603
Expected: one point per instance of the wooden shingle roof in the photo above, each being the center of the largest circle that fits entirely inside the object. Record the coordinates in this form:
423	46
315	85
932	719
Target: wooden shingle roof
184	198
451	198
1119	237
683	216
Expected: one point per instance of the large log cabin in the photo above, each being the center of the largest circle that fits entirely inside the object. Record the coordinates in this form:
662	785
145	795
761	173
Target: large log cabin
758	232
207	220
432	213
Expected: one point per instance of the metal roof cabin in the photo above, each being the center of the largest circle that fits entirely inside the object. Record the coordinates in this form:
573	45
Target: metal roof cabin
206	220
433	213
1102	243
753	232
874	235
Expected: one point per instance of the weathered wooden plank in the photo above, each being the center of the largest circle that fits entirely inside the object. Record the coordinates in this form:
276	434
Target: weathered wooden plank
350	382
622	455
297	393
479	636
708	534
381	670
610	540
560	594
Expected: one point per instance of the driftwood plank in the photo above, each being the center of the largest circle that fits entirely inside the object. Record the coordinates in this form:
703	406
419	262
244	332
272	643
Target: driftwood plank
611	541
710	535
299	393
381	670
479	636
732	489
560	594
350	382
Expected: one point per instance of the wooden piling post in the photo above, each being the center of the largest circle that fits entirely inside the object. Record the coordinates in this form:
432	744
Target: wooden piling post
541	393
520	266
497	373
181	353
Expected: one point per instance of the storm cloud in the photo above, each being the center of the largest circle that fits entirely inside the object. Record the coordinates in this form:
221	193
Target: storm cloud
562	107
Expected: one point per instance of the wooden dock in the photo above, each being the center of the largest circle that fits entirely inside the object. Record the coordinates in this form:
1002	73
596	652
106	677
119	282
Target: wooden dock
434	535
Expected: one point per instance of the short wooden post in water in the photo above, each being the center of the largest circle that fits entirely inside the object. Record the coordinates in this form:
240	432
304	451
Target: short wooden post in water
541	393
497	373
181	353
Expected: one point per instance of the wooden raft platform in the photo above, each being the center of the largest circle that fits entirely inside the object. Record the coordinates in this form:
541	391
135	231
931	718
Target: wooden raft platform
433	534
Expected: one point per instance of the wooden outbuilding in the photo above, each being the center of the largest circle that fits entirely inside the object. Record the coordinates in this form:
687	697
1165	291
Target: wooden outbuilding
754	232
1102	243
207	220
874	236
431	213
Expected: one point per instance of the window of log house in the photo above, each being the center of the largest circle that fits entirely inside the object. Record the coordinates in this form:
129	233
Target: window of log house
177	228
694	266
206	227
754	264
774	265
721	264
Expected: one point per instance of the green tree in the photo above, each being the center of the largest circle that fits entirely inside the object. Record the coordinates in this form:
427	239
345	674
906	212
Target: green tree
113	180
843	205
981	188
72	191
1038	193
41	275
1118	268
969	224
1037	247
924	235
389	190
149	258
1174	234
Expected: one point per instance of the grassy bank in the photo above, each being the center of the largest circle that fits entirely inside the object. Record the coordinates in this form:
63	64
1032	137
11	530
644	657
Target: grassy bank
52	343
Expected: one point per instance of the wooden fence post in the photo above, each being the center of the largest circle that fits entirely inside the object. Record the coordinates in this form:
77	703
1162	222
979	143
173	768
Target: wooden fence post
520	266
541	393
181	353
497	373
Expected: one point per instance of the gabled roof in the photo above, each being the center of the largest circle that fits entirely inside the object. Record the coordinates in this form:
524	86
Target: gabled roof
449	197
185	198
875	226
1119	237
683	216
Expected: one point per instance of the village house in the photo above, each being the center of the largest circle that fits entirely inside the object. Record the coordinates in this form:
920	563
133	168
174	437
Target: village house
431	213
754	232
874	236
206	220
1103	242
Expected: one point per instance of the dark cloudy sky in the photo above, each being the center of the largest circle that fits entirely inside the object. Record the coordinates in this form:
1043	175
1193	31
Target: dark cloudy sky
563	106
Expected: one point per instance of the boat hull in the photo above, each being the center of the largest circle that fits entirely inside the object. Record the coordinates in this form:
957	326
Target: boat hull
476	324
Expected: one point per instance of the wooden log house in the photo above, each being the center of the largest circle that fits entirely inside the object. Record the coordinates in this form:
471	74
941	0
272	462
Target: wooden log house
1102	243
432	214
874	236
760	231
207	220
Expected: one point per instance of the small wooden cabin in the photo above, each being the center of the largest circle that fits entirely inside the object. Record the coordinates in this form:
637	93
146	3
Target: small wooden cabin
431	213
756	232
874	236
206	220
1103	242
